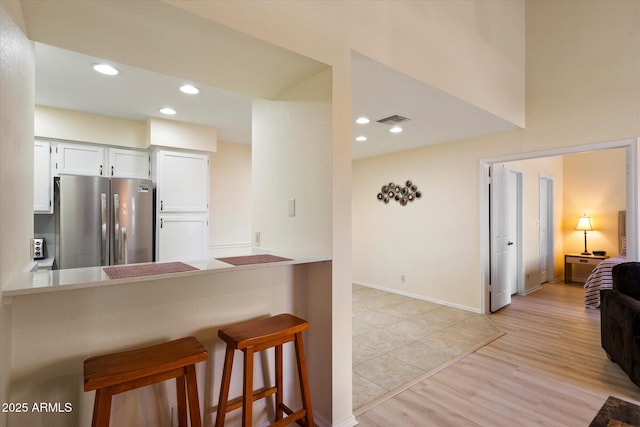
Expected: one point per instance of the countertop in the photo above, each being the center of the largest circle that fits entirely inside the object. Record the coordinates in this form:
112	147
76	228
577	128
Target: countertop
43	281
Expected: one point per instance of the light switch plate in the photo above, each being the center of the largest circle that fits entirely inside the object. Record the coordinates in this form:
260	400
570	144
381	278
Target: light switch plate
292	207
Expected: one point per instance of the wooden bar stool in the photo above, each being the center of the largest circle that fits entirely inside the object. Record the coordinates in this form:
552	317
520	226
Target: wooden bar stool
118	372
258	335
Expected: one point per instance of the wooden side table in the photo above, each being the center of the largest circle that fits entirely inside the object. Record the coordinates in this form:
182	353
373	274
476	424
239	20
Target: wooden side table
570	259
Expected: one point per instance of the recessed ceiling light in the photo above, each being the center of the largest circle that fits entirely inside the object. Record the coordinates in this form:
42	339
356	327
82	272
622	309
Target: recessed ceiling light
395	129
168	111
105	69
361	138
189	89
362	120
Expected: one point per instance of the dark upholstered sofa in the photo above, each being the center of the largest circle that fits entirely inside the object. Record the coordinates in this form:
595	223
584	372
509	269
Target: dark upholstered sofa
620	319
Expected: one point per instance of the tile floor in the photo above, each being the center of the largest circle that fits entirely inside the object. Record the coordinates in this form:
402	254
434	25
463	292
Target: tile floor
397	339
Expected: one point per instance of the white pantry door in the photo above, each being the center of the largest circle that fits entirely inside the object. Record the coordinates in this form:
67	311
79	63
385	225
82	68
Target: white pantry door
504	267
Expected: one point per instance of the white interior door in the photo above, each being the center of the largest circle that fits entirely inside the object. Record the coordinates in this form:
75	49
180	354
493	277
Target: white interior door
504	226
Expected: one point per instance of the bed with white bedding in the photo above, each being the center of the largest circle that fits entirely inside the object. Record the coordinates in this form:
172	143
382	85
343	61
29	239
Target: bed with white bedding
601	277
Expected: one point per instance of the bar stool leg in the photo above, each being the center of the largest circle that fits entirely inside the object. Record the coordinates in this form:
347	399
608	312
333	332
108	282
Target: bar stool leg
304	380
224	388
247	388
102	408
182	401
192	391
279	393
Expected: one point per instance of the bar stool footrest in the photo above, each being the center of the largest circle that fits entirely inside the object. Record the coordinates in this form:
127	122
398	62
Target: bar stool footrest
257	395
291	417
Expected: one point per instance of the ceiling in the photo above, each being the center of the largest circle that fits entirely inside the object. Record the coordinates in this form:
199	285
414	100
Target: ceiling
65	79
435	116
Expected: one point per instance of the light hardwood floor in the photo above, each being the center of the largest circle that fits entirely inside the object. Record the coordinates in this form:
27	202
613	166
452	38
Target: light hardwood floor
548	370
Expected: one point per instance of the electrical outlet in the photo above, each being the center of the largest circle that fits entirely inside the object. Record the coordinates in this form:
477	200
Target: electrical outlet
257	240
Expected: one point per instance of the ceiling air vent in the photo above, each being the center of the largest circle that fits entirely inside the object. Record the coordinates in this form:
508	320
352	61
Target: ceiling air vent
393	120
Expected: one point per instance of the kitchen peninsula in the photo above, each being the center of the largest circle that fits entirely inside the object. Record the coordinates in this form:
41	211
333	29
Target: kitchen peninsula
56	332
43	281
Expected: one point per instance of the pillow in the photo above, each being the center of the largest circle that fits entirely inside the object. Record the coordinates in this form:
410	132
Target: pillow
623	245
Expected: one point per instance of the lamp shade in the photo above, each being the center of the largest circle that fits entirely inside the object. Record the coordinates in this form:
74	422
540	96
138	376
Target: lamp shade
584	223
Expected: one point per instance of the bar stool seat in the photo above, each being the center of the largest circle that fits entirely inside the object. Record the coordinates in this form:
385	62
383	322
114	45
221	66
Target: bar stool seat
257	335
119	372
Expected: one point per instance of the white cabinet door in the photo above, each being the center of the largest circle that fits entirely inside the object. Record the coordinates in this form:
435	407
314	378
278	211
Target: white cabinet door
80	159
182	237
42	180
125	163
182	182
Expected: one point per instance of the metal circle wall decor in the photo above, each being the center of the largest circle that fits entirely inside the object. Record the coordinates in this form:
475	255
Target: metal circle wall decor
403	195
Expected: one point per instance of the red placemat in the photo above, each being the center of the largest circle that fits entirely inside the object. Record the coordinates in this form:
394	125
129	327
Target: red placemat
252	259
126	271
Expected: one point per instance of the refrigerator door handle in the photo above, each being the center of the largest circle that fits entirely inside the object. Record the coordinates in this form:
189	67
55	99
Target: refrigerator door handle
116	229
104	226
124	245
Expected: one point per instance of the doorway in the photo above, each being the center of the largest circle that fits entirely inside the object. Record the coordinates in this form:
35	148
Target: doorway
632	154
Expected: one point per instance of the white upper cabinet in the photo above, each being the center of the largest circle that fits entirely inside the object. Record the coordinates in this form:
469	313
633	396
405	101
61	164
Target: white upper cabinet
42	180
80	159
95	160
182	181
125	163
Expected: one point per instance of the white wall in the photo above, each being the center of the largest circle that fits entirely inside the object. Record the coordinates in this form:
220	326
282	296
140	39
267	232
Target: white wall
85	127
570	103
595	184
17	77
185	136
230	199
471	49
291	148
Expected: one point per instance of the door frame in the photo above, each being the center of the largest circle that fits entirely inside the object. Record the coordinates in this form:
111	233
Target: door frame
632	147
549	183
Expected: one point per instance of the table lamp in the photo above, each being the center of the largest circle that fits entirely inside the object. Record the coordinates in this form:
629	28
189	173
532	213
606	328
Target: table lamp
584	223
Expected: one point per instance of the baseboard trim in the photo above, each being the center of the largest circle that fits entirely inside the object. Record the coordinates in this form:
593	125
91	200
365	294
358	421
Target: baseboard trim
527	292
420	297
348	422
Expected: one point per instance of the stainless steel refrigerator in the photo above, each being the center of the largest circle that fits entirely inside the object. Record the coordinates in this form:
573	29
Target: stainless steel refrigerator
102	221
